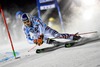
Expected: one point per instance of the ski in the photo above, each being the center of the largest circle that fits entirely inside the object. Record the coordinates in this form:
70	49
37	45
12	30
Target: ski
57	45
48	49
67	44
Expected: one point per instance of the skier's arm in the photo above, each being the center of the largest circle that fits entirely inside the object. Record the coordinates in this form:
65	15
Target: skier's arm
42	26
28	37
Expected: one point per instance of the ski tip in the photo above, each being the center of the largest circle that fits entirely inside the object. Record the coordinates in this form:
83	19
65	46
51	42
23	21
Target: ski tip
38	51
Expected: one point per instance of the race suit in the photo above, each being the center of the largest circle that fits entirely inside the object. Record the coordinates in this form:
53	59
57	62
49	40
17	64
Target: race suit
37	28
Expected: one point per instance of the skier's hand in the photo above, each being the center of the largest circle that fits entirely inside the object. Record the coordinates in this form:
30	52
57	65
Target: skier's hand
40	40
35	41
76	36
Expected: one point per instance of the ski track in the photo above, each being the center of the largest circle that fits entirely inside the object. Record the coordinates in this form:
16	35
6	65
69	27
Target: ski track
87	55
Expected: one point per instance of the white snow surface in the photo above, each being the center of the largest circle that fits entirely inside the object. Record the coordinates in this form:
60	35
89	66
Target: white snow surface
85	18
87	55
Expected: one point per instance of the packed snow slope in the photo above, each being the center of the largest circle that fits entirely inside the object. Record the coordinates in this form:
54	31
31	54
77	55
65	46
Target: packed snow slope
87	55
84	18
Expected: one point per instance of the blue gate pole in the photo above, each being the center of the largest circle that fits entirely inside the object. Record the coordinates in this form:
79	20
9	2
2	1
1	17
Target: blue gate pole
38	7
60	17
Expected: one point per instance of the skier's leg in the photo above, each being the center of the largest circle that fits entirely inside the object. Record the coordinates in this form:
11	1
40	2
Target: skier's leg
65	35
56	34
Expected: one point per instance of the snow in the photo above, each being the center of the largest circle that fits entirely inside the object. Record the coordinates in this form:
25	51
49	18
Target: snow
87	55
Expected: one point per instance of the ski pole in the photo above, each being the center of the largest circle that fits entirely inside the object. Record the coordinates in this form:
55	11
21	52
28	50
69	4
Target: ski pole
32	48
87	33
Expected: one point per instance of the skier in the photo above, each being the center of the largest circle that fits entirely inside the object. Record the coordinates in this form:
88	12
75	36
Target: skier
37	32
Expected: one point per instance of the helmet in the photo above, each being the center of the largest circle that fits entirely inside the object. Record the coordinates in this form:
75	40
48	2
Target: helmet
18	13
24	17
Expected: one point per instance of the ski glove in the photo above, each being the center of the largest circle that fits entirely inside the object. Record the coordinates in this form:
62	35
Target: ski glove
39	41
75	36
35	41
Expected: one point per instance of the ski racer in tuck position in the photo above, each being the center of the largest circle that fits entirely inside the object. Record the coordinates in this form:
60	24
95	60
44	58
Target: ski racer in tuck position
37	32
